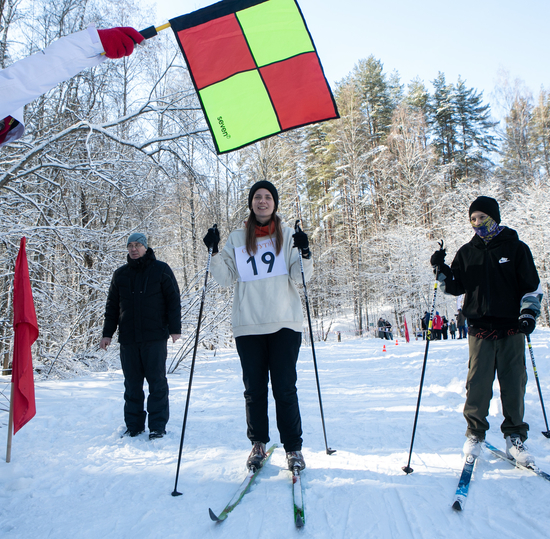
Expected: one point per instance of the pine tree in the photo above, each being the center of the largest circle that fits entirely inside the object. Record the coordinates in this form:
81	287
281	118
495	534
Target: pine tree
418	97
444	127
475	138
462	130
377	97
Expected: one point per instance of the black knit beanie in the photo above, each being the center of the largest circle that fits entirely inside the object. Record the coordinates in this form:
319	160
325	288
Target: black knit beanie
486	205
264	184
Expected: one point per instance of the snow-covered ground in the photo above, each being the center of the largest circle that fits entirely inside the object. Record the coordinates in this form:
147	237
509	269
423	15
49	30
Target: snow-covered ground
73	476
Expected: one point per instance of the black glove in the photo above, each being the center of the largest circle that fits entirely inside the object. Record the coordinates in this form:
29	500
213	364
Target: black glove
301	242
527	321
438	258
212	239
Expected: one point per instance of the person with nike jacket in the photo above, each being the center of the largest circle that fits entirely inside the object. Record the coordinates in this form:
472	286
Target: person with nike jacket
497	274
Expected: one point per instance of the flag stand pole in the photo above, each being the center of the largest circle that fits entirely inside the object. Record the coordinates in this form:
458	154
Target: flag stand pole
10	426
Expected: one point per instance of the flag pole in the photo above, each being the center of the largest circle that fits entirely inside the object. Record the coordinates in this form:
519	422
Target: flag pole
10	426
150	32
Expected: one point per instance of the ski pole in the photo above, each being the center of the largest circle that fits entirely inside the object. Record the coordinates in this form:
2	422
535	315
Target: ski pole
328	449
547	432
407	469
175	492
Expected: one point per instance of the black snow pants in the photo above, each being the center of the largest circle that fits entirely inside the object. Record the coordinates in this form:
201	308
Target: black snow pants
275	354
145	361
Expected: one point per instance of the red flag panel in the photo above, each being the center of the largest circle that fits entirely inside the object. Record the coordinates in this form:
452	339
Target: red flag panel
216	50
299	90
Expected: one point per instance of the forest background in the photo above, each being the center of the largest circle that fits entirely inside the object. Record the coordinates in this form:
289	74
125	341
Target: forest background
124	147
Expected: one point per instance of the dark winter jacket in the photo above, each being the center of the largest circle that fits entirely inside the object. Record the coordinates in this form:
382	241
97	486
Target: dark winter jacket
143	301
494	277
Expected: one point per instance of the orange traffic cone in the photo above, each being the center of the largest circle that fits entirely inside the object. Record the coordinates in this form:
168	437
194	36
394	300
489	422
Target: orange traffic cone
396	343
384	349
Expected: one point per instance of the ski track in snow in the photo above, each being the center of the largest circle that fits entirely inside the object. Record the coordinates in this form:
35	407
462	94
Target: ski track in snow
73	476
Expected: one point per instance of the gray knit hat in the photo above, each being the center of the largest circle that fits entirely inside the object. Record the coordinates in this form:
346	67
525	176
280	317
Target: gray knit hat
139	237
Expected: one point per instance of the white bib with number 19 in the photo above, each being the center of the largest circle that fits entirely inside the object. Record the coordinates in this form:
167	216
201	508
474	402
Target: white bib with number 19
265	263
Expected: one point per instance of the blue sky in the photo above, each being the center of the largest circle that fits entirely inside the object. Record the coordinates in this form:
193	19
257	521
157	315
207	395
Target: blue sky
473	39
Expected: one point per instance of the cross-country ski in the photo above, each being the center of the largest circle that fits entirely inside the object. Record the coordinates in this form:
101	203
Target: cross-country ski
502	455
242	490
464	483
298	498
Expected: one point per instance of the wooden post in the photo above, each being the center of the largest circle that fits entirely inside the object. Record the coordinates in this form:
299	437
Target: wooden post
10	426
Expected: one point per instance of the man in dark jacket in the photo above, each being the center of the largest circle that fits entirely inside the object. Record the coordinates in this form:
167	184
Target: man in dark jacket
144	303
497	274
381	328
461	323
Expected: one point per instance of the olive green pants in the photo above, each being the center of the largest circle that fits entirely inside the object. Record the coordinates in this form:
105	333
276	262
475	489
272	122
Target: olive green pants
506	357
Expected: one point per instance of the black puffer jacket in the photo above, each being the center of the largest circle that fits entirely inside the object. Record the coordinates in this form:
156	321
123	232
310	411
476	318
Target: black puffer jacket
494	277
143	301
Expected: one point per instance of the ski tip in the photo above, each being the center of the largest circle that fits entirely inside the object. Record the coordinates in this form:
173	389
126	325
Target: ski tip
299	521
213	516
546	434
457	506
407	469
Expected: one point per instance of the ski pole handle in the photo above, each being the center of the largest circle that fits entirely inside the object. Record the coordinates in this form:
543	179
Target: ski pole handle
304	250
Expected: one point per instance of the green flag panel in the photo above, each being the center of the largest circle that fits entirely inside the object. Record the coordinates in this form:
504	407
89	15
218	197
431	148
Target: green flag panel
239	110
255	69
275	31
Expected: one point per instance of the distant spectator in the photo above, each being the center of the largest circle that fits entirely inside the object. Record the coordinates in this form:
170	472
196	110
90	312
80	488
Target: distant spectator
381	328
388	334
437	324
461	323
445	328
452	329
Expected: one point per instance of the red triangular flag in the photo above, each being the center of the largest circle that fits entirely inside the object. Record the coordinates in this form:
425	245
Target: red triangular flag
406	330
25	333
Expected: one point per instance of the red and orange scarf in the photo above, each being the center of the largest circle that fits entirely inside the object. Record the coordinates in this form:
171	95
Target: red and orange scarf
266	230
